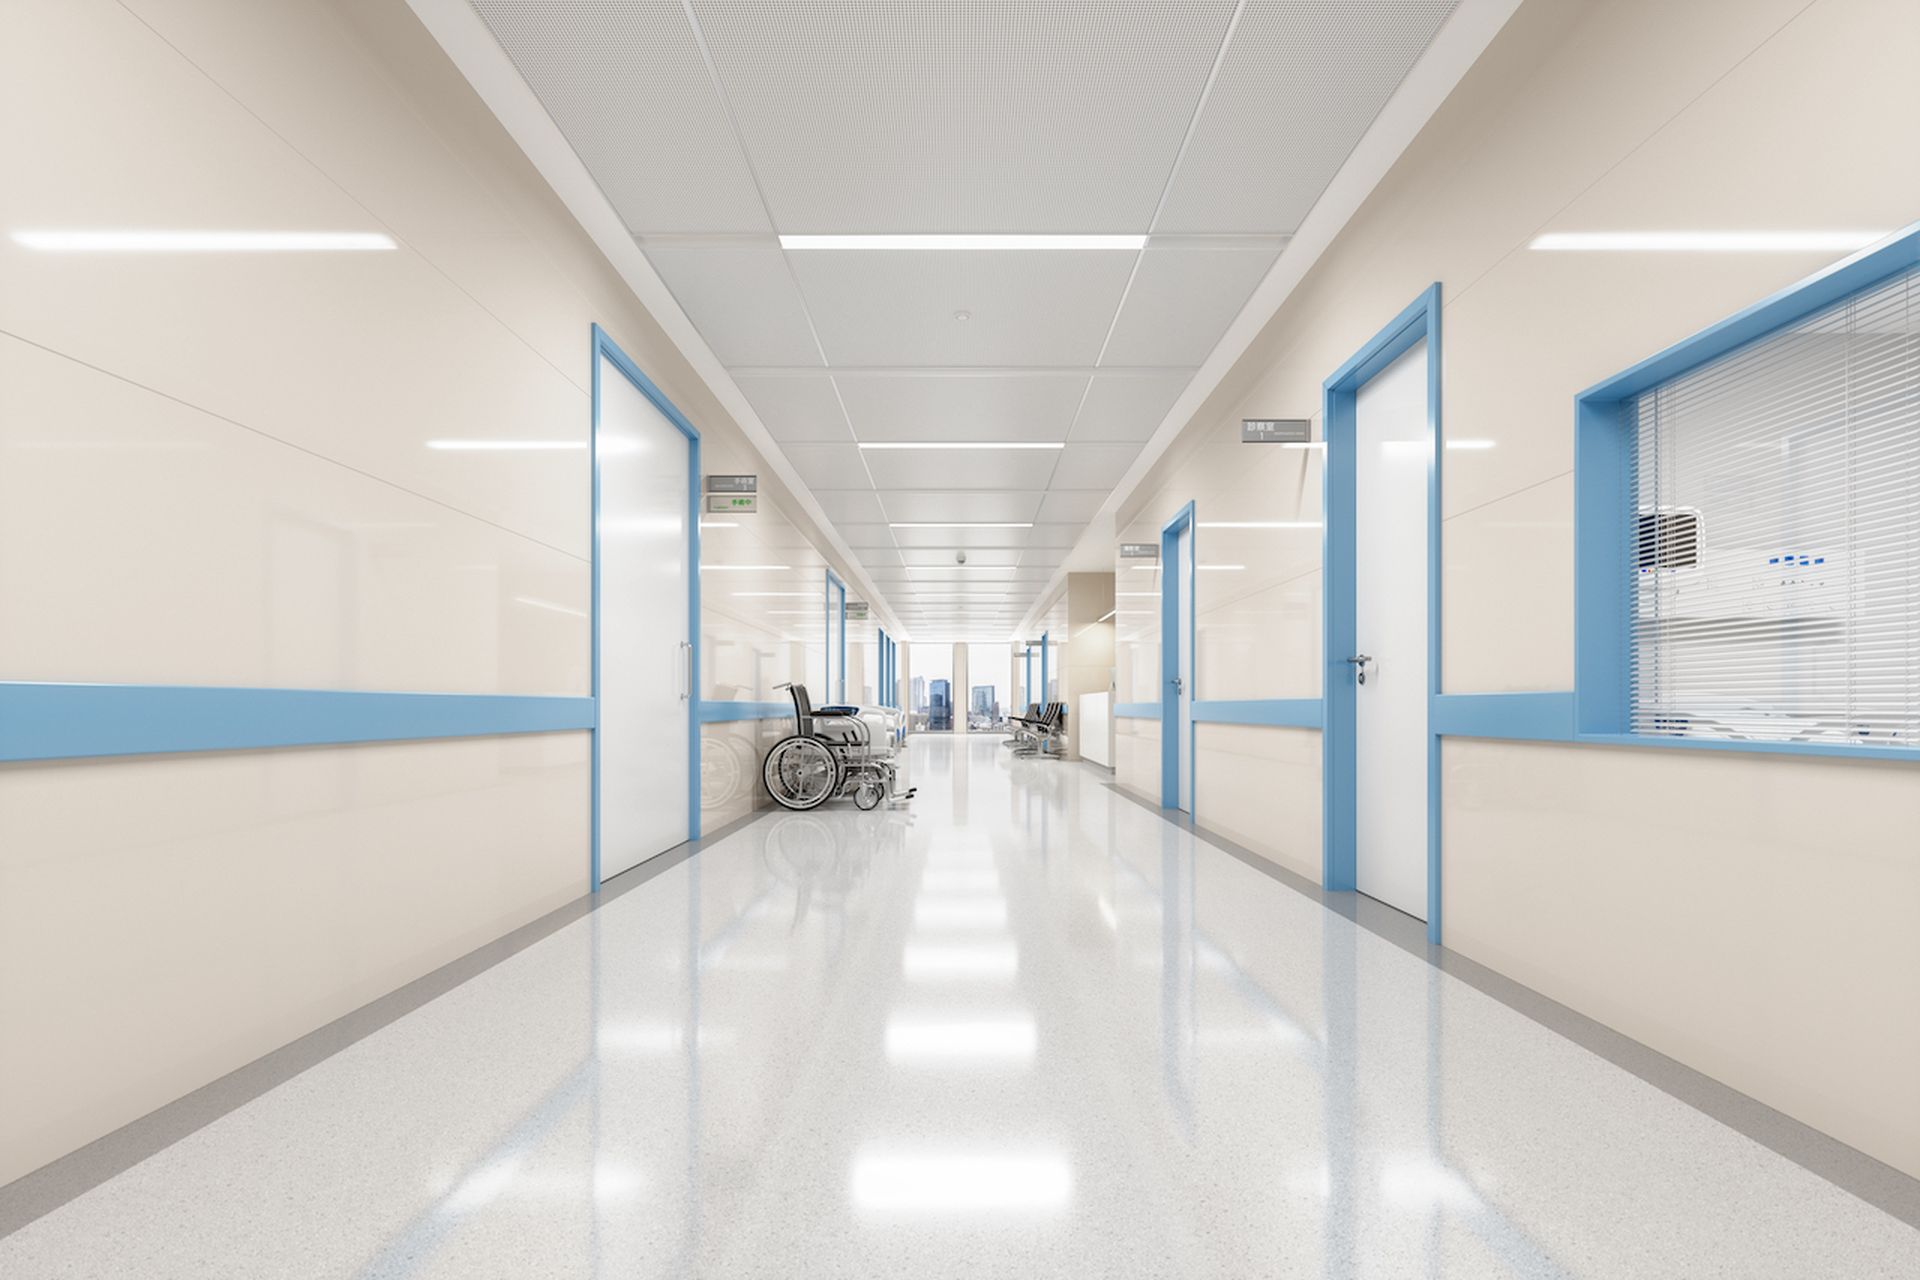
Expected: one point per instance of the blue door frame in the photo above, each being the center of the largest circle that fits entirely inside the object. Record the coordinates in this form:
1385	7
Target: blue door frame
1420	322
1172	583
836	673
605	349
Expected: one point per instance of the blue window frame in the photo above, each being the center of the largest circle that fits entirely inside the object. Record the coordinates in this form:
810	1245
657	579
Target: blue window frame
1603	461
1172	583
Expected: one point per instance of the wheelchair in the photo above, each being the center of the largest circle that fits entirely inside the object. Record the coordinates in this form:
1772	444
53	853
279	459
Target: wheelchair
831	753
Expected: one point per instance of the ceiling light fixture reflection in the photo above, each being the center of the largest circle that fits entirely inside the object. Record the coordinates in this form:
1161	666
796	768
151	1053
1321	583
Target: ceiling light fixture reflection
994	960
1108	614
984	913
924	243
1261	524
1704	241
550	605
204	241
961	1182
962	444
1013	1038
963	524
745	568
776	595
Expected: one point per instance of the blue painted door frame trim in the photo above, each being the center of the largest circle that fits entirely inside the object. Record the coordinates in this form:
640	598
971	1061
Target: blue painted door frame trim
1418	322
604	346
1172	583
836	672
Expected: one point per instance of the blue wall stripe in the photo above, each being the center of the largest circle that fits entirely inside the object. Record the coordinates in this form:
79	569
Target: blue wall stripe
75	721
718	712
1293	713
1137	710
1527	717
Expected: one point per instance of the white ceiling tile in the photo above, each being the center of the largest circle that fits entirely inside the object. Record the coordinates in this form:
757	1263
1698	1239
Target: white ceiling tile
1054	535
849	506
1001	469
1182	301
741	298
877	557
1128	406
942	504
931	557
1026	308
1093	466
866	535
796	407
1299	86
828	466
1070	507
962	406
963	115
1043	557
627	86
960	537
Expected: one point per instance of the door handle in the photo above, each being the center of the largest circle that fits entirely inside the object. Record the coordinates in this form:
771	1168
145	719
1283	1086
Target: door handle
1359	662
1178	686
686	671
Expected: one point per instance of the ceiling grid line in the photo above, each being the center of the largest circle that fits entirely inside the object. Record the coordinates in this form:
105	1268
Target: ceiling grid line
746	157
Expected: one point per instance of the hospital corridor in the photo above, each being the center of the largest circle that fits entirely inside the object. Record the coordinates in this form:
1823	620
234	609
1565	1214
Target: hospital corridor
896	639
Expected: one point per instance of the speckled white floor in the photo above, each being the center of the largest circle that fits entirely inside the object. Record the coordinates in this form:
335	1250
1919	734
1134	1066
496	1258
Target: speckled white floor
1030	1030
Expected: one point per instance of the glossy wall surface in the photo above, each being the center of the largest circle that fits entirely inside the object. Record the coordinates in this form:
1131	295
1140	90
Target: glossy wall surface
259	469
1707	905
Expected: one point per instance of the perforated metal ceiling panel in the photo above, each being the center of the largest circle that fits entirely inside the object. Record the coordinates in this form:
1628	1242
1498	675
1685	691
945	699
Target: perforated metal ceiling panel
1301	81
742	300
797	407
1127	406
1020	406
1181	302
1023	308
963	115
714	125
934	505
625	82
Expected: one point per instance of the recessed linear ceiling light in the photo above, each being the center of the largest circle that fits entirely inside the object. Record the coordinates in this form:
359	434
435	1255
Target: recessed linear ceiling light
1261	524
204	241
963	524
1704	241
963	444
1221	568
744	568
1128	244
777	595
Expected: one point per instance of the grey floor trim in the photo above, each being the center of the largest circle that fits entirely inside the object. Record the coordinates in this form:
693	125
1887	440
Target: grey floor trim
47	1188
1854	1171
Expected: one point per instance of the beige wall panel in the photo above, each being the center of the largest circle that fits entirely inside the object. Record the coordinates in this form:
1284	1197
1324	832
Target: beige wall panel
1749	915
168	919
1259	786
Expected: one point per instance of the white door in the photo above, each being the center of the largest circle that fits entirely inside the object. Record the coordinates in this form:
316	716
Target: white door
645	662
1390	748
1183	575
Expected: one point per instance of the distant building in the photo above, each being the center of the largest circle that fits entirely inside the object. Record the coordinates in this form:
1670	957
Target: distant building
940	708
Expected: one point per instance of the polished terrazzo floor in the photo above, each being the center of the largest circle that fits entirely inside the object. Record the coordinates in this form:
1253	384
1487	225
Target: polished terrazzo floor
1027	1029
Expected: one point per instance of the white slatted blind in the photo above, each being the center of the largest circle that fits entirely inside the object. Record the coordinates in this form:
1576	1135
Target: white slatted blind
1776	591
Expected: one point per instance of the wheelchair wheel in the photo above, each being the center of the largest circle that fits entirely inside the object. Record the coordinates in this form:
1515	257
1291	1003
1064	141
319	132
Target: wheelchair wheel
801	773
868	794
